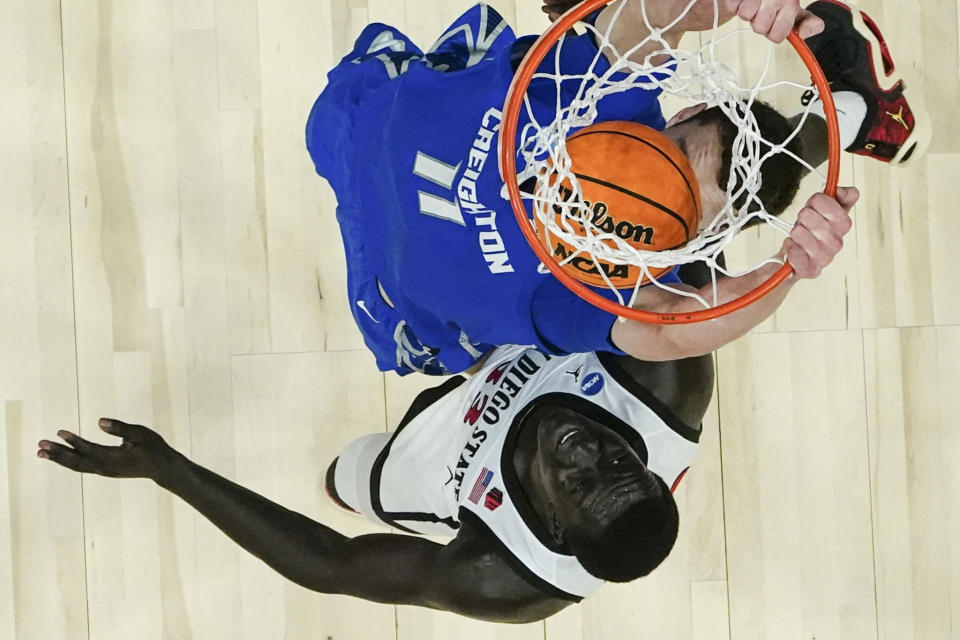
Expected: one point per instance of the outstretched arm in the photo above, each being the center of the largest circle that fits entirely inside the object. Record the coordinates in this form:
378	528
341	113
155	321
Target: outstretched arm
460	577
814	241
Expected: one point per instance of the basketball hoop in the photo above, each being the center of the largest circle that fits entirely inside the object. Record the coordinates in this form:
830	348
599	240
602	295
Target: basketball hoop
695	76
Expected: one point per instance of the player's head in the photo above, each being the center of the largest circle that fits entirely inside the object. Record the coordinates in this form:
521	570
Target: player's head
706	136
616	516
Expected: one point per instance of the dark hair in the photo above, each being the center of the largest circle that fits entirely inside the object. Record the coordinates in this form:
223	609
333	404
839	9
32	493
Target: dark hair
780	174
634	544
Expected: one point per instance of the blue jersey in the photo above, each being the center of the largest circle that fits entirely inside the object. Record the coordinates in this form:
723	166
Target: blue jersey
438	270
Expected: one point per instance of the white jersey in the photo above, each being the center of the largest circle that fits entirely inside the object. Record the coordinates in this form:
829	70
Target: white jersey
452	461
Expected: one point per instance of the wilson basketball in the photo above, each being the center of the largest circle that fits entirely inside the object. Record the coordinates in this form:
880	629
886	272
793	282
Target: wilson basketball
637	186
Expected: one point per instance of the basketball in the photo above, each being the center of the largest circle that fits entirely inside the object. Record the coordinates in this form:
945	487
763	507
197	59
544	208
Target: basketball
637	186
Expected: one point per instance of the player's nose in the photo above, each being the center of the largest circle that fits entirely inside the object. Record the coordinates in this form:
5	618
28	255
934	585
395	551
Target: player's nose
585	453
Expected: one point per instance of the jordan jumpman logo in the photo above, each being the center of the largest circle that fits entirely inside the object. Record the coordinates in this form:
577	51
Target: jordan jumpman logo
898	117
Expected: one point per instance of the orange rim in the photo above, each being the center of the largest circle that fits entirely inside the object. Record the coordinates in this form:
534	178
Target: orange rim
508	171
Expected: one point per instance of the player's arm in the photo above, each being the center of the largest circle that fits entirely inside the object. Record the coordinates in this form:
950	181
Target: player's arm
814	241
461	577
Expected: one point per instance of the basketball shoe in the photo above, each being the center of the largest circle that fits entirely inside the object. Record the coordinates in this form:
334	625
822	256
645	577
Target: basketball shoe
854	57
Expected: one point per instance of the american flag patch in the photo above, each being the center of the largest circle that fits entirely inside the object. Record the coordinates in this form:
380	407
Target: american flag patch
483	481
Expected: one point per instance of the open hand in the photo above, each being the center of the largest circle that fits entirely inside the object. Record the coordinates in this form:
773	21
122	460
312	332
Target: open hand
774	19
142	454
818	233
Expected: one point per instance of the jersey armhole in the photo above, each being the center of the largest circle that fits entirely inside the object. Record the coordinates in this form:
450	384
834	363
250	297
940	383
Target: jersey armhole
421	403
426	398
640	392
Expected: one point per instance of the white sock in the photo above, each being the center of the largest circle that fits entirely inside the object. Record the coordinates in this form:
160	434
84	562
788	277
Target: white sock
851	112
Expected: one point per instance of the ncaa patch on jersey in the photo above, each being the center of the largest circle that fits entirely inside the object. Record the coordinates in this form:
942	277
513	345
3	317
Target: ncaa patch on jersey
592	384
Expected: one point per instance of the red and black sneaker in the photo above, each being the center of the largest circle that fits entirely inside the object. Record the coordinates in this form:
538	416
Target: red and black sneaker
854	57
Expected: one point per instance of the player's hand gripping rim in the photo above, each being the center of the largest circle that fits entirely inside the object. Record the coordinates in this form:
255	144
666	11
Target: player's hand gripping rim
773	19
817	235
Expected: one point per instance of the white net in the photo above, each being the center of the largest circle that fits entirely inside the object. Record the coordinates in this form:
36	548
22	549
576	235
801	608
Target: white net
702	72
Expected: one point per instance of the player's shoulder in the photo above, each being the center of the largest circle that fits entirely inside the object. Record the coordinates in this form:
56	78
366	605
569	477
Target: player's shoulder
498	584
684	387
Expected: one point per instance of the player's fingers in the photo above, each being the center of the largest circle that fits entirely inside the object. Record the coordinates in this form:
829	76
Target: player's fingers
782	26
812	247
808	25
763	20
84	447
847	197
65	457
804	264
132	432
826	234
798	259
44	445
748	9
832	211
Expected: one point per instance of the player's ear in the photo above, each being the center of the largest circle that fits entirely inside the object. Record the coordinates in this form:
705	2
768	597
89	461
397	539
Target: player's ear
685	114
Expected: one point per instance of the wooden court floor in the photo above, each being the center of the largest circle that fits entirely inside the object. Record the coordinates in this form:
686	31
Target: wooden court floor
168	256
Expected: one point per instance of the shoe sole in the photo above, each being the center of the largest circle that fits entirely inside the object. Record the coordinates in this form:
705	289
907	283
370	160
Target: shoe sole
916	144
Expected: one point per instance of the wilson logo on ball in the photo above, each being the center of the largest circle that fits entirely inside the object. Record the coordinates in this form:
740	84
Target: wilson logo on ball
597	213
